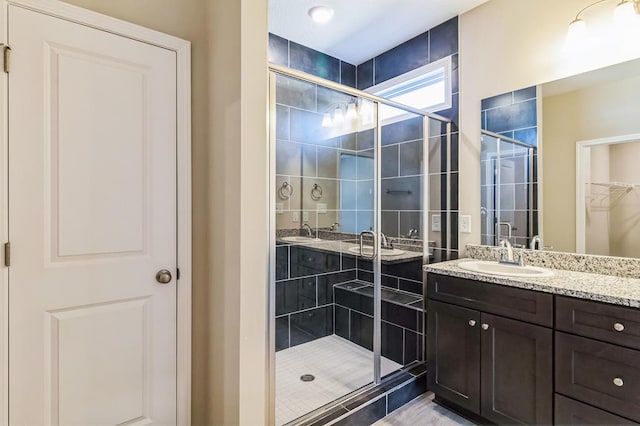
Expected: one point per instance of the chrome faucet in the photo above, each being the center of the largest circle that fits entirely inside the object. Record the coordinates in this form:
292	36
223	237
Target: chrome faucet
334	226
413	233
385	243
309	230
536	243
504	243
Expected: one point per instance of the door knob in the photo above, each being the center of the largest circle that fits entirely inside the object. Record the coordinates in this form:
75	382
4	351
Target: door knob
485	326
618	326
472	323
163	276
618	382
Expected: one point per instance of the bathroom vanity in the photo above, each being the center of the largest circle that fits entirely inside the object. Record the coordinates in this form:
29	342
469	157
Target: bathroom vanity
557	350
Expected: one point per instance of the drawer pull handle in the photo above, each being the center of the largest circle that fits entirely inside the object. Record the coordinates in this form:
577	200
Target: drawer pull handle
472	323
618	382
485	326
618	326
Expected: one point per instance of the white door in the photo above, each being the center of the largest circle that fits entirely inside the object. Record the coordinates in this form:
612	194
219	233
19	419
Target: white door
92	212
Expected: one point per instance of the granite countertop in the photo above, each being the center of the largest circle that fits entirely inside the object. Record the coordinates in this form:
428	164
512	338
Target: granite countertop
583	285
337	246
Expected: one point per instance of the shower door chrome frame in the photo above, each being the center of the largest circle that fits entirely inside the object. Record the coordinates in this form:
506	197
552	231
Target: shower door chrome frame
271	179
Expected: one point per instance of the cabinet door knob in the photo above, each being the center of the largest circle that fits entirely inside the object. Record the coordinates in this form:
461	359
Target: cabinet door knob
472	323
618	382
485	326
618	326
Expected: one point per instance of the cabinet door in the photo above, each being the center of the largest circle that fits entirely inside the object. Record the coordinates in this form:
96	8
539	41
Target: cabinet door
453	354
517	372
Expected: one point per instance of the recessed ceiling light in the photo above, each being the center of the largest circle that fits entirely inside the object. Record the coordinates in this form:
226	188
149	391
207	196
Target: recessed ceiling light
321	14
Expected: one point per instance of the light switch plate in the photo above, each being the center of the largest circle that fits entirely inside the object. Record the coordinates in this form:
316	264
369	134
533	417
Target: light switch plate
435	223
464	223
305	216
295	217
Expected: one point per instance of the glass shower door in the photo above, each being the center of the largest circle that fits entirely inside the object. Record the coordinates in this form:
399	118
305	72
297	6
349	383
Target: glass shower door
325	204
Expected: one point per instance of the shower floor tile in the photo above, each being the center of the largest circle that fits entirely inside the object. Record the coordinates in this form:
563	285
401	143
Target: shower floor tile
338	365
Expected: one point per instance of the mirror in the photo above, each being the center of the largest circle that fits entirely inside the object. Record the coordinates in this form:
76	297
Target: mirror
569	147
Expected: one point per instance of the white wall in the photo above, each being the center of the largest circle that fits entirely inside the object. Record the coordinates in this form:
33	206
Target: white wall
510	44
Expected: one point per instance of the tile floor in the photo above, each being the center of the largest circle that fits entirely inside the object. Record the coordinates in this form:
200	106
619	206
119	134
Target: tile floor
338	365
422	411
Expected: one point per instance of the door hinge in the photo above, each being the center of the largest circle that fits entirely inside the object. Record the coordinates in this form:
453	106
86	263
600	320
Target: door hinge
6	50
7	254
177	273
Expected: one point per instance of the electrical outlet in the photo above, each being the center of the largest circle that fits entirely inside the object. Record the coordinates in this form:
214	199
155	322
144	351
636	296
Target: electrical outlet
435	223
464	223
305	216
295	217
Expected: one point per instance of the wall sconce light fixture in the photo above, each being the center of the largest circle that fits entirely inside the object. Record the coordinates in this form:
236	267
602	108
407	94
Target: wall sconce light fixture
626	12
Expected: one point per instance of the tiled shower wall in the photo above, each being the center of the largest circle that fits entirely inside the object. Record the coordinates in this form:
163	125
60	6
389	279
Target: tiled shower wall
512	114
305	300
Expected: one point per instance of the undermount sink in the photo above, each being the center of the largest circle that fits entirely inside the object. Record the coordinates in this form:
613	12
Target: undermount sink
501	269
368	251
299	239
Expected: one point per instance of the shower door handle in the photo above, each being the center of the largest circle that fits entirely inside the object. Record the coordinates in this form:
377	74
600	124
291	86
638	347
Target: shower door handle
374	249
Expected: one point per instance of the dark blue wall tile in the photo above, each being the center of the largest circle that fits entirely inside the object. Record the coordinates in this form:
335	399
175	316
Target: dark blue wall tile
455	75
400	315
389	161
347	74
454	230
389	281
411	270
366	139
310	325
411	344
352	300
410	158
306	127
362	330
348	261
295	93
516	116
455	151
278	50
529	136
365	276
393	200
444	39
390	223
282	333
410	286
454	191
295	295
282	262
403	131
405	57
313	62
282	122
341	322
392	342
367	415
398	398
364	75
524	94
497	101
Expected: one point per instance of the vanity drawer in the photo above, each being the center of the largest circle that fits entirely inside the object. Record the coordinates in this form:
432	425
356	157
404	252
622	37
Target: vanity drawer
600	374
571	412
516	303
611	323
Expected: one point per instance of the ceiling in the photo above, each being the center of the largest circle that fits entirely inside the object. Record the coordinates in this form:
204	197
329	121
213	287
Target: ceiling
361	29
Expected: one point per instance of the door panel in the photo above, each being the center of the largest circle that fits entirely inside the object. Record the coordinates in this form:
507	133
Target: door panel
453	354
92	208
517	371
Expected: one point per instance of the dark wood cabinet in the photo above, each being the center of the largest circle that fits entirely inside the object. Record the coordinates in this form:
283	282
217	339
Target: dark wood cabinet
517	372
569	412
453	354
496	367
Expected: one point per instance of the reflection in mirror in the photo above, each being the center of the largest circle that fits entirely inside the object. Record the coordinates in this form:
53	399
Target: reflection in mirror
608	183
598	105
